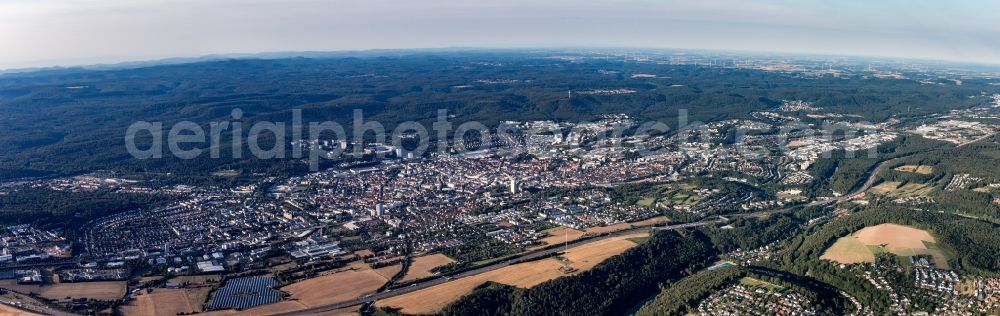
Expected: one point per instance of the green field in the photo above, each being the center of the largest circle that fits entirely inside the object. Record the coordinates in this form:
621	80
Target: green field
751	282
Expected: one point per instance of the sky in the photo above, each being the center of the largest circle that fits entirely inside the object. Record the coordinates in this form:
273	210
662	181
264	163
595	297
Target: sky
35	33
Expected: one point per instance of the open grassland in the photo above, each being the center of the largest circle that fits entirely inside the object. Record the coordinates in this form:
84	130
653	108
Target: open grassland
523	275
896	190
160	302
918	169
111	290
913	190
559	235
885	187
422	266
752	282
863	245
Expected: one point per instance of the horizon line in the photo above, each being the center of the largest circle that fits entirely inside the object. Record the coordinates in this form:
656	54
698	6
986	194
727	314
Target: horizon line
157	61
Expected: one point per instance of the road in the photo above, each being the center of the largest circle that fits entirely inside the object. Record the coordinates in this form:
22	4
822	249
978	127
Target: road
871	180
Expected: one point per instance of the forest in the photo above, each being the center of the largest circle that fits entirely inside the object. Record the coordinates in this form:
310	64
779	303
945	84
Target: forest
73	121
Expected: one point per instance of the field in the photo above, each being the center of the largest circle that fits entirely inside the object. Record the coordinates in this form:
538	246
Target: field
160	302
522	275
335	287
919	169
388	272
421	266
111	290
893	189
199	295
896	239
885	187
849	250
559	235
751	282
9	310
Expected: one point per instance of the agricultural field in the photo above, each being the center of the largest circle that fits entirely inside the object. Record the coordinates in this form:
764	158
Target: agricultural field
918	169
863	245
160	302
11	311
559	235
388	272
422	266
110	290
849	250
335	287
524	275
331	287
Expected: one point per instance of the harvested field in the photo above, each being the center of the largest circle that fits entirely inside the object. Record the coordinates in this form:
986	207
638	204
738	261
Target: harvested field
894	236
559	235
110	290
160	302
848	250
11	311
335	287
896	239
918	169
422	266
388	272
523	275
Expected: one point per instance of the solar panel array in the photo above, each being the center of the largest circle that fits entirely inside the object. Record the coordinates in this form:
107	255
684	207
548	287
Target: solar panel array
246	292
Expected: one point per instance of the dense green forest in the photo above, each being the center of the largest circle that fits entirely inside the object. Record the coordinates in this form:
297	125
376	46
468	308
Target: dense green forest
68	122
751	233
69	209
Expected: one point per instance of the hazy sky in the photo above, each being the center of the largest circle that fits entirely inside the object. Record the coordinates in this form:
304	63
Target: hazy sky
71	32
